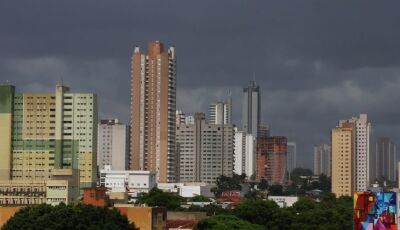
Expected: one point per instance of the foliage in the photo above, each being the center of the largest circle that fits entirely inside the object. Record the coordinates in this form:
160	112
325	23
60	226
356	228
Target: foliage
67	217
211	209
156	197
257	211
225	183
263	185
200	198
226	222
275	190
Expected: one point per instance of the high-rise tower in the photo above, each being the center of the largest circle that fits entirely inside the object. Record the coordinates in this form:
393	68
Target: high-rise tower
251	109
153	108
220	113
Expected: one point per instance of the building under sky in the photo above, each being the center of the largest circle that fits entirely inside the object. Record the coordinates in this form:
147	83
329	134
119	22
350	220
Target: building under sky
153	111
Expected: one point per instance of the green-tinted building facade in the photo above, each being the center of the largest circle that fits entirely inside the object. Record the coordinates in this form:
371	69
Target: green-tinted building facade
45	131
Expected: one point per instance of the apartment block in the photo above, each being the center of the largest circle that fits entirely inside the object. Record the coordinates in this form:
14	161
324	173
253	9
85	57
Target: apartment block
205	150
343	153
362	144
245	154
113	144
383	160
291	159
45	131
220	113
62	187
153	111
322	159
271	156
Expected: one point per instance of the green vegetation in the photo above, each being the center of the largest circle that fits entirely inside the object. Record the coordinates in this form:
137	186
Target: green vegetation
156	197
59	217
225	183
226	222
200	198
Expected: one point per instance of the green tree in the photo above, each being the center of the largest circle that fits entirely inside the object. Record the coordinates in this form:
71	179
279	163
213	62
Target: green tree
59	217
275	190
263	185
211	209
226	222
257	211
200	198
304	204
225	183
156	197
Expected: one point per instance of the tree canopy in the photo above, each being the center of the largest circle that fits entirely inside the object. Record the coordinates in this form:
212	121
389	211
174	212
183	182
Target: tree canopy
225	183
223	222
156	197
59	217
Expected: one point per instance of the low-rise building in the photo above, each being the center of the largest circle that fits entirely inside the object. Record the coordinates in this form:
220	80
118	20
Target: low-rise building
63	187
133	182
188	190
153	218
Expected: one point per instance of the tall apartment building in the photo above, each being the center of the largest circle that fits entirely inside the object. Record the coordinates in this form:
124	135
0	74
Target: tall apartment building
271	159
180	117
153	111
43	131
251	109
205	150
361	160
220	113
245	154
113	144
322	159
343	154
383	160
291	158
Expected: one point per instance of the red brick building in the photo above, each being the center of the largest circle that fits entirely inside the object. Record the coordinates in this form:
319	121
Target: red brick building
271	159
95	196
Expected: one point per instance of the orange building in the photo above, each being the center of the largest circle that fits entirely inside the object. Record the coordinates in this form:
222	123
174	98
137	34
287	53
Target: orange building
271	159
153	107
151	218
95	196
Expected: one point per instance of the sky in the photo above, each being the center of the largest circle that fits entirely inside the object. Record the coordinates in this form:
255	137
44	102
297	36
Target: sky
316	61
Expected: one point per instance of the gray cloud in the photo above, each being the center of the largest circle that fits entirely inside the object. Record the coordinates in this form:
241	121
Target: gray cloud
316	61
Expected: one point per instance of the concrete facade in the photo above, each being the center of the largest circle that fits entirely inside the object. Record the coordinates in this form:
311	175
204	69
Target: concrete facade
271	159
342	160
291	159
245	154
205	150
220	113
251	109
383	160
153	111
113	144
49	130
133	182
322	159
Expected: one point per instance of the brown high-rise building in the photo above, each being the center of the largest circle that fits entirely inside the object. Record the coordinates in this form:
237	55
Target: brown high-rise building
153	106
271	159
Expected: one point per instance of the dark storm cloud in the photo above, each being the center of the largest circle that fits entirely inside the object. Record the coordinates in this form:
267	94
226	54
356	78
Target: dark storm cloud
316	61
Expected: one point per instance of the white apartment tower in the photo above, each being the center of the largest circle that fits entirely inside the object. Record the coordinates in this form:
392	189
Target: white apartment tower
245	157
362	136
220	113
113	144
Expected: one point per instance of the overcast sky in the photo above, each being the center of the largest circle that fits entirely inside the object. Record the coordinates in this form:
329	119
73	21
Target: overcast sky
316	61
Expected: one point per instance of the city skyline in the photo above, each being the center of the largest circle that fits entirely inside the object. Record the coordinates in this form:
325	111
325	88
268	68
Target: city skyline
309	80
